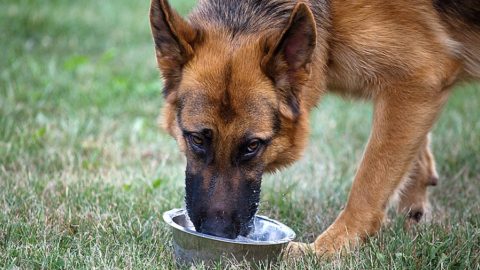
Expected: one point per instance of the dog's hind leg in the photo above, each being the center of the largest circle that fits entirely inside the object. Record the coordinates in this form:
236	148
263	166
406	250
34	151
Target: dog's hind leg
413	197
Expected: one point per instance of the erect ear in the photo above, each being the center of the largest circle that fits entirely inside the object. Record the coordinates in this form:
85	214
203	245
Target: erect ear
174	38
287	58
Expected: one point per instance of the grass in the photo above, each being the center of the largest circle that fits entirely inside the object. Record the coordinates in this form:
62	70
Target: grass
85	172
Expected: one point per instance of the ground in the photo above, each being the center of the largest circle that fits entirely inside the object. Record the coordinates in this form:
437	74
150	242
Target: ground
85	171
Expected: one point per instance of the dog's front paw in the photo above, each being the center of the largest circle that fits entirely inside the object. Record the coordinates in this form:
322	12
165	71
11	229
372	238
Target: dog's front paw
297	250
332	242
345	234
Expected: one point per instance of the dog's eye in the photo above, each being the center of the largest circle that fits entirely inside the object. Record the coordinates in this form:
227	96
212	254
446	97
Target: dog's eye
251	149
196	140
253	146
198	143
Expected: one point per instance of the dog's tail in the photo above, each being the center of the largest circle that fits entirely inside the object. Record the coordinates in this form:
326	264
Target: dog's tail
462	17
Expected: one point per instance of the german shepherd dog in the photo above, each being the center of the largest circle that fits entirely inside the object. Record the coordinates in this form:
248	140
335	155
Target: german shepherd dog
242	76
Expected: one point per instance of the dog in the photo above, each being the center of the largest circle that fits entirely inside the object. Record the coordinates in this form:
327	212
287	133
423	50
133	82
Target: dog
241	77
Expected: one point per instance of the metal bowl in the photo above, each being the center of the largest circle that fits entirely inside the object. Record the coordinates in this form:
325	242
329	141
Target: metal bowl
264	244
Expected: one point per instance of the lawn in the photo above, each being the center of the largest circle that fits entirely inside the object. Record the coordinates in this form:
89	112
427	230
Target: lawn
86	173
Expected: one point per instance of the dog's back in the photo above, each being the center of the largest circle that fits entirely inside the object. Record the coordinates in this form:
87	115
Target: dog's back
461	18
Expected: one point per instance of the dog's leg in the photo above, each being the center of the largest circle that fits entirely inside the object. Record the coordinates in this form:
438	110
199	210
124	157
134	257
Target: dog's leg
414	196
402	120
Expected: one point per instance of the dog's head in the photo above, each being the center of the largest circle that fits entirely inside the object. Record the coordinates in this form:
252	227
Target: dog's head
234	107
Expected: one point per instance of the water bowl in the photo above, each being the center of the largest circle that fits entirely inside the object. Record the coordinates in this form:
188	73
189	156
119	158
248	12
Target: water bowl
263	245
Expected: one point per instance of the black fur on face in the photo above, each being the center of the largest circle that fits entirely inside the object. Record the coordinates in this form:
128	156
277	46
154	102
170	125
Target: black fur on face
222	204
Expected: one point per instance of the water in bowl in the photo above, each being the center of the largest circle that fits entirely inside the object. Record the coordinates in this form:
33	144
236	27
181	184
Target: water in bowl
262	231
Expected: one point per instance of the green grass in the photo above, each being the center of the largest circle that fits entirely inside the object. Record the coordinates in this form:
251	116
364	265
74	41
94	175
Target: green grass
85	172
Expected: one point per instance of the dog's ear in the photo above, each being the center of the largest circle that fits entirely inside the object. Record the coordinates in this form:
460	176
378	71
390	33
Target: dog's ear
174	39
288	54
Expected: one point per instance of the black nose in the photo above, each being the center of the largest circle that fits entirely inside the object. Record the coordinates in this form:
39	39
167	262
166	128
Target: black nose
219	226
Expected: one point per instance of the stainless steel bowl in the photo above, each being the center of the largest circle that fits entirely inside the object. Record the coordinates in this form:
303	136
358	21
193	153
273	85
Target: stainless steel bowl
264	244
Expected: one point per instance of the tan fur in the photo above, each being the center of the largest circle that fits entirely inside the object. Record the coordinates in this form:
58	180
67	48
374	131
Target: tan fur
401	55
